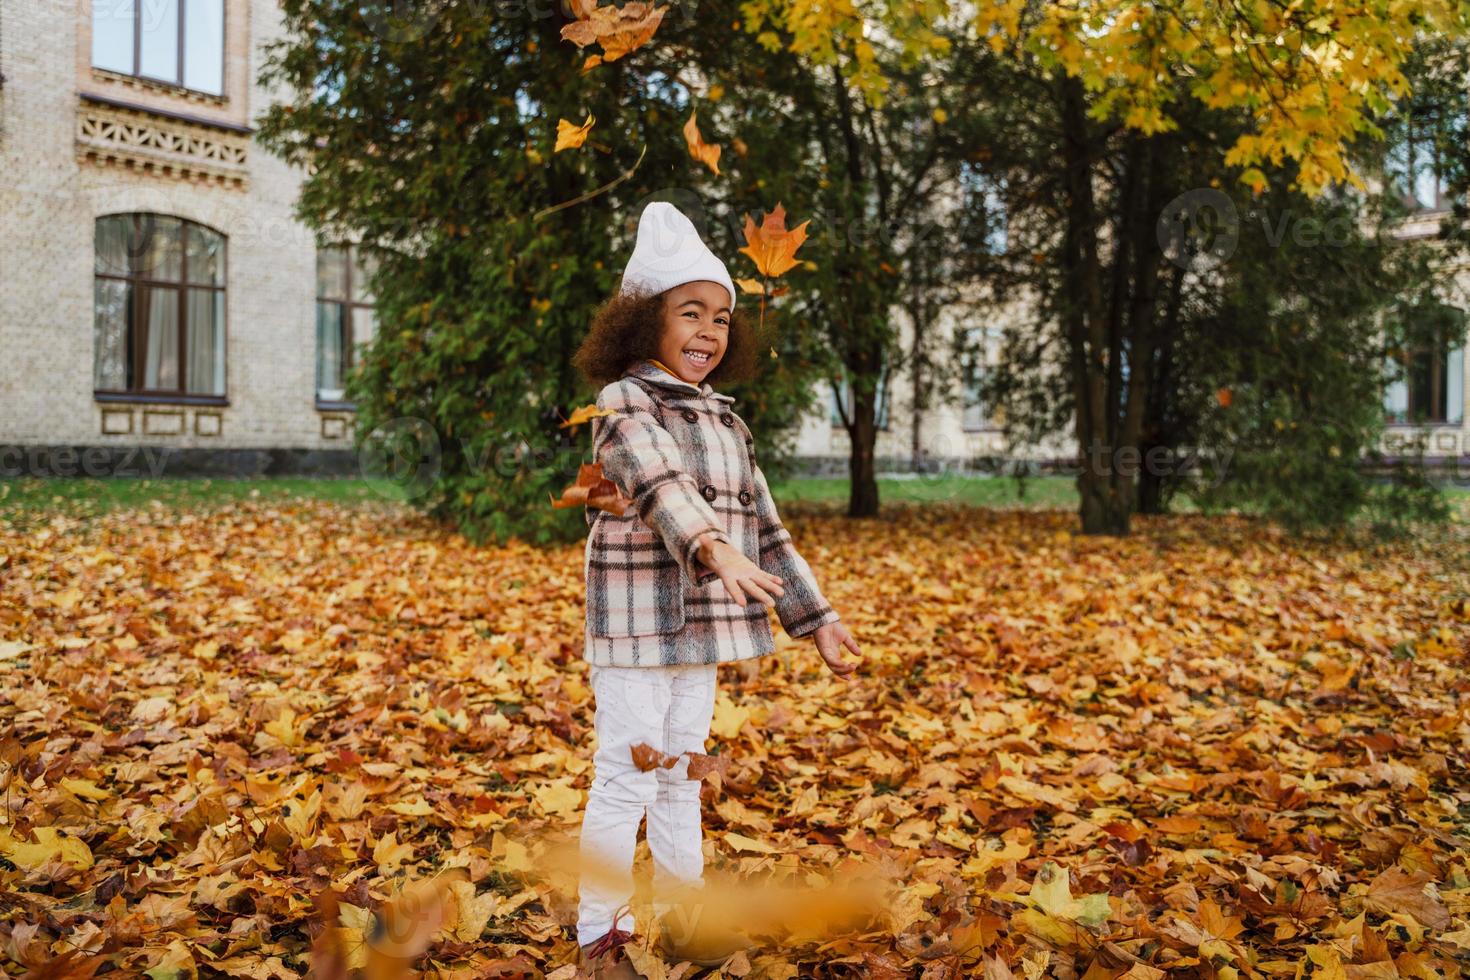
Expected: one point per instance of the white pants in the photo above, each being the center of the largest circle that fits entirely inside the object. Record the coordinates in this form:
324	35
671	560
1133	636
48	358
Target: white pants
668	708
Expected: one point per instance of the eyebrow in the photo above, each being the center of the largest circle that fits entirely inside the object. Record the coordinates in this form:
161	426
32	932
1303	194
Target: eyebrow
700	303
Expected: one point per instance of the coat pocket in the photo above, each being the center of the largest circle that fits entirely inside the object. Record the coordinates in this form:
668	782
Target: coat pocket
634	586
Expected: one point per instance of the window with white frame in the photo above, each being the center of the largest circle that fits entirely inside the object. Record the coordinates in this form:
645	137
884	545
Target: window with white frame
880	410
345	320
177	42
158	307
1428	384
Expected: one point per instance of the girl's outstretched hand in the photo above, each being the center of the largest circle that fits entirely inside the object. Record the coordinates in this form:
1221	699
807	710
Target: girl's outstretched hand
830	639
741	576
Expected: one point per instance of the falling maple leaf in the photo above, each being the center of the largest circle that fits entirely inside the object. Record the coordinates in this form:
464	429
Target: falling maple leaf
586	413
706	153
771	246
647	758
570	136
592	489
618	29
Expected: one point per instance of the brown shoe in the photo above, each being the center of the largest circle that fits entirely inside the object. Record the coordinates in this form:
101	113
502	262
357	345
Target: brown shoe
605	958
690	932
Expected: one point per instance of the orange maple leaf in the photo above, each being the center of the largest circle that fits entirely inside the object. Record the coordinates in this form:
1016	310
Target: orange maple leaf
647	758
618	29
586	414
592	489
706	153
772	246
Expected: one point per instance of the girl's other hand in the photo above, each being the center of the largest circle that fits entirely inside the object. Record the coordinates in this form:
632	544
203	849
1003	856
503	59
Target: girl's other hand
830	640
742	577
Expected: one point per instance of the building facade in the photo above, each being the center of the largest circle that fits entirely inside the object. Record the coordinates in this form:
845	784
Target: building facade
155	290
162	311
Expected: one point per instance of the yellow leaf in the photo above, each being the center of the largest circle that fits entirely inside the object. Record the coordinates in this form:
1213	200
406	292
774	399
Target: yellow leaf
558	797
569	135
388	853
586	413
512	855
49	845
416	807
356	926
742	843
728	718
85	787
474	911
283	728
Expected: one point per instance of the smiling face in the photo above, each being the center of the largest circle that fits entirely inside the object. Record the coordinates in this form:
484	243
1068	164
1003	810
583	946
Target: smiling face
696	329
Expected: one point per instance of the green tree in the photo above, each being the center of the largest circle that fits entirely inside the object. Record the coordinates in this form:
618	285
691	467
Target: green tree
428	133
1163	291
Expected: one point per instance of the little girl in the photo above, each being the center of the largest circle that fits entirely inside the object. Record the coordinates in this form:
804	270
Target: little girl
670	583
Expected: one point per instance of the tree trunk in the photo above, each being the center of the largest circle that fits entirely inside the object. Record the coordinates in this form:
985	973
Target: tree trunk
1160	428
862	498
1101	507
1104	510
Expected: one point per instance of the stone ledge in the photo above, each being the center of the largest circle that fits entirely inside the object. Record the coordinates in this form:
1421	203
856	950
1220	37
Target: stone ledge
112	134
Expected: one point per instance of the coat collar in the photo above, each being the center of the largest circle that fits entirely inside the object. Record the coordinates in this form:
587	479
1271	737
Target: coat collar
654	374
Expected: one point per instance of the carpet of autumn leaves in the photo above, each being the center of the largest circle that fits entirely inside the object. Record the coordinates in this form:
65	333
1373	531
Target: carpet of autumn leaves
1208	750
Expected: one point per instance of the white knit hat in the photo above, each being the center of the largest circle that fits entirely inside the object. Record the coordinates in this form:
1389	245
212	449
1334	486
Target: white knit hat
669	253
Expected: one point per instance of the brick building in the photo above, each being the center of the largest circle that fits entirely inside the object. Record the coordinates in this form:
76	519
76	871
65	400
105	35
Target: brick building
156	292
154	288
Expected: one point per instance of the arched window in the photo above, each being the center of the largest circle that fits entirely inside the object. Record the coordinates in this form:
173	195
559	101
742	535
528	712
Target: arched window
159	307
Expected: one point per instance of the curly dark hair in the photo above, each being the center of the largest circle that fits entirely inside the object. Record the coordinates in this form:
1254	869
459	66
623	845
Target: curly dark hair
626	328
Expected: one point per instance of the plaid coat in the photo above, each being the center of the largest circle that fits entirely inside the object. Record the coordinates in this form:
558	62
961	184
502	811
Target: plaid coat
688	464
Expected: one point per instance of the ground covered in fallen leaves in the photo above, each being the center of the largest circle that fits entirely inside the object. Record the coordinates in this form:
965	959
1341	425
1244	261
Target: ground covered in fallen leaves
231	741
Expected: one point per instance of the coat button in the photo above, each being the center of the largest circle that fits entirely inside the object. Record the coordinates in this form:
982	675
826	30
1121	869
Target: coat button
709	491
745	497
728	419
690	415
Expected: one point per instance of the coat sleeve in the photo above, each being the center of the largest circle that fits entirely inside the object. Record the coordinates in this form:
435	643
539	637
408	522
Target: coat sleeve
643	459
802	608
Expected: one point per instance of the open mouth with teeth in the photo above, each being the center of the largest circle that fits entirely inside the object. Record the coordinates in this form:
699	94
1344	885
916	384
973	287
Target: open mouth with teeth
698	358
